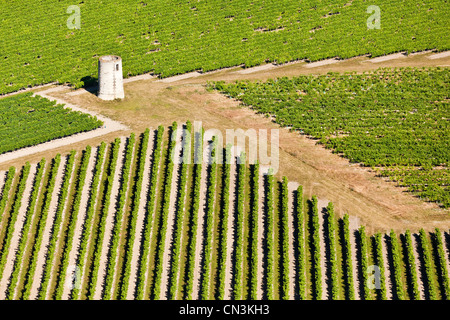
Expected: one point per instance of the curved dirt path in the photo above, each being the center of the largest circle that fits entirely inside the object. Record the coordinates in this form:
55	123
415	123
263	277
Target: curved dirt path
140	217
108	127
17	233
75	245
230	233
109	221
167	255
48	225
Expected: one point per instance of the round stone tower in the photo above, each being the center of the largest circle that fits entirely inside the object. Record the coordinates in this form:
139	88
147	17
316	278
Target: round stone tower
110	78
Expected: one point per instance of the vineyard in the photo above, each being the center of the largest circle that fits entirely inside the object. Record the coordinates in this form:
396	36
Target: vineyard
121	220
27	120
173	37
393	120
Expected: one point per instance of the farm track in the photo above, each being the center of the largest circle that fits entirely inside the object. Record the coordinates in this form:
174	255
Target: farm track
230	232
109	222
75	247
11	257
140	218
171	220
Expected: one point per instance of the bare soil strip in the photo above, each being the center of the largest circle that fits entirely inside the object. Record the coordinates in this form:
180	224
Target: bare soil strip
230	233
108	127
180	77
103	172
321	207
171	219
387	57
418	271
140	218
47	230
256	69
75	246
110	221
260	275
292	187
321	63
439	55
58	233
353	226
17	234
200	226
387	271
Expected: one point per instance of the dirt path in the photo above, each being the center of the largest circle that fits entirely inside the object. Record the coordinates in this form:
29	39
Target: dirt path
108	127
387	271
417	262
321	207
230	233
48	226
140	218
292	187
59	231
109	221
200	226
354	225
75	246
170	220
17	233
88	245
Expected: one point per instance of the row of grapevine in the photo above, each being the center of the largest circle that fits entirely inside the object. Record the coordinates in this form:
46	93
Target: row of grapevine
209	218
62	198
29	273
396	271
163	217
411	267
428	274
118	220
379	260
363	263
72	219
148	222
193	215
269	236
315	250
331	235
284	238
347	258
98	240
180	211
90	210
254	185
301	274
25	229
238	273
6	189
224	210
439	255
11	219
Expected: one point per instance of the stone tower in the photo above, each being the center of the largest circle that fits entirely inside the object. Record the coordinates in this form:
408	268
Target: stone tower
110	78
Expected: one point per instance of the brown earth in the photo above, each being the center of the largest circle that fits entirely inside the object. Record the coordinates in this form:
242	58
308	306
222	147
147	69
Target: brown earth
381	206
